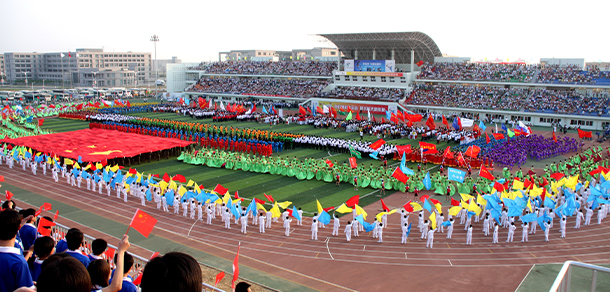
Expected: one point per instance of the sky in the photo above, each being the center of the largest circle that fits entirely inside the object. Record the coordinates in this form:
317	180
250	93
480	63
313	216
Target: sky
196	31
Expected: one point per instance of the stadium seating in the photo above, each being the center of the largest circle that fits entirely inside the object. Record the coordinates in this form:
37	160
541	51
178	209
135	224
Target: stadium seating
367	93
478	72
300	88
296	68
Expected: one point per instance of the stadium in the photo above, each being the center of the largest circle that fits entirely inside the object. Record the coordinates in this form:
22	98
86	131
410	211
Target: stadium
340	173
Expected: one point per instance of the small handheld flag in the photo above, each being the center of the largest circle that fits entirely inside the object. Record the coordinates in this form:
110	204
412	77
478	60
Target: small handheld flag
142	222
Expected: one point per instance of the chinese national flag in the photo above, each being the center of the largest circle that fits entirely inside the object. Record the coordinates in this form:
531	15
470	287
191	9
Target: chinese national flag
329	163
445	122
473	151
352	162
460	159
302	110
487	138
269	198
483	172
419	63
235	269
399	175
448	154
414	118
40	122
143	222
394	118
430	123
554	137
44	227
377	144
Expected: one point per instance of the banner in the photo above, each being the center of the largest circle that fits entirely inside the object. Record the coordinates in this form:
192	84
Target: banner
364	107
348	65
386	74
456	175
369	65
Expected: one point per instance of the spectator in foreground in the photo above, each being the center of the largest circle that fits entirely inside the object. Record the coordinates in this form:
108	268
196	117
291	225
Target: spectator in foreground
44	247
98	247
127	283
175	271
74	239
14	269
99	270
61	272
242	287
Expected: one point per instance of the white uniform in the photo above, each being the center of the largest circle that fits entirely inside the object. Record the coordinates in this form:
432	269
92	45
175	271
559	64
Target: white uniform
405	228
336	226
209	215
430	236
511	233
450	229
524	232
269	216
469	236
546	231
579	219
244	223
348	232
495	235
314	231
261	223
287	227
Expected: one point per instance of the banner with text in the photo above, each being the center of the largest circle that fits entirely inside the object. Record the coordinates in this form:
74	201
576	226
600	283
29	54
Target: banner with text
369	65
364	107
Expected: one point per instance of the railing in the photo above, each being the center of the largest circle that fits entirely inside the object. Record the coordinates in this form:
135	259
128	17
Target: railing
138	261
564	278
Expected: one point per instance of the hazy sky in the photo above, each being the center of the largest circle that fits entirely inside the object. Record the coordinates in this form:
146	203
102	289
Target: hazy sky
197	30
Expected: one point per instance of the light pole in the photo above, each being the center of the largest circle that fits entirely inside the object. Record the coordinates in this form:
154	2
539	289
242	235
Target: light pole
155	39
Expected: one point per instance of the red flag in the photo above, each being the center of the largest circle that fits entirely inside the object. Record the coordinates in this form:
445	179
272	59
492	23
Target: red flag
498	136
138	280
353	201
460	159
374	120
104	162
420	63
448	154
454	202
527	184
56	215
38	212
235	268
414	118
302	110
544	182
46	207
154	255
403	149
219	189
384	207
327	209
319	110
487	138
143	222
269	198
557	176
554	137
400	116
445	122
219	278
333	112
499	187
358	116
110	253
352	162
44	227
9	195
473	151
483	172
257	200
399	175
428	148
382	120
394	118
128	104
408	207
180	178
40	122
584	134
377	144
133	171
430	123
329	163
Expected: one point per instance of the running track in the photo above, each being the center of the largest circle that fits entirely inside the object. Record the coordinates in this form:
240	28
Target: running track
332	264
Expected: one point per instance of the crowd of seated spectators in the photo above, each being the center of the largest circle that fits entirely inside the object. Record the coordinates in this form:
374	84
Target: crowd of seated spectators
570	74
298	68
353	92
33	262
478	72
514	99
300	88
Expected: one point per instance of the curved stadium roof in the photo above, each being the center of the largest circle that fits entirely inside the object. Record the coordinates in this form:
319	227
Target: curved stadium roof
402	42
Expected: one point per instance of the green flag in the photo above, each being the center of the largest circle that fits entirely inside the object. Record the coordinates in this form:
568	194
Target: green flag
354	152
510	133
349	116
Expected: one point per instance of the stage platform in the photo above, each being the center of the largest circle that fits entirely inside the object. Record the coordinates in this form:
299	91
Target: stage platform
94	145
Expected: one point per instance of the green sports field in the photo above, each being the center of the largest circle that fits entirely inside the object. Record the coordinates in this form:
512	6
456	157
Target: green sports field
302	193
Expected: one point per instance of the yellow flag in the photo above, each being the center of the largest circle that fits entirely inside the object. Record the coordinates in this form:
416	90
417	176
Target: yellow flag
173	185
562	181
466	197
529	205
464	204
275	211
127	187
343	209
320	209
219	201
453	211
76	165
432	219
535	191
49	160
607	175
163	185
115	168
360	211
284	205
439	207
379	215
481	201
416	206
236	201
226	198
517	185
181	192
260	207
68	161
474	208
191	182
572	182
99	166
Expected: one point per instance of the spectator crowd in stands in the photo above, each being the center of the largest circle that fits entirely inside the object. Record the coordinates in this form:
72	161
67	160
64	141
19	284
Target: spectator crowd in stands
515	99
300	88
296	68
570	74
478	72
353	92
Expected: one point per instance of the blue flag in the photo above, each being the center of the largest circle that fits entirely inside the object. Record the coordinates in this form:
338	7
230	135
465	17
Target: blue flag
169	197
324	218
456	123
427	182
388	115
529	218
548	202
504	128
374	155
265	110
403	166
409	229
428	206
251	207
295	212
148	195
482	126
456	174
445	223
80	159
368	227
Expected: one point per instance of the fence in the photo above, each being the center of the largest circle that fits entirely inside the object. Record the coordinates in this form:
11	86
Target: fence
564	278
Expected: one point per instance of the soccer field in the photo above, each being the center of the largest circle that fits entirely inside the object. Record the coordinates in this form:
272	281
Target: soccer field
303	193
